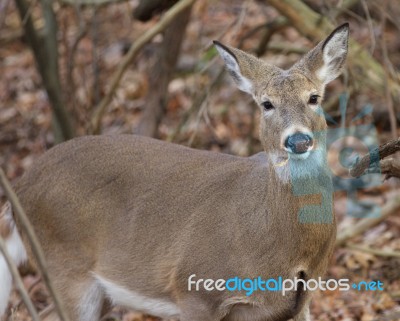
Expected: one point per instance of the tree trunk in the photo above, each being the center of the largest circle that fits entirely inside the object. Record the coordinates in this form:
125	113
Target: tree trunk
44	47
160	75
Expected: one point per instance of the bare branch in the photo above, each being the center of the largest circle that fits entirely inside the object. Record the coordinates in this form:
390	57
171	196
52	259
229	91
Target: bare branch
30	289
372	158
270	29
165	21
70	61
393	206
367	249
387	68
35	245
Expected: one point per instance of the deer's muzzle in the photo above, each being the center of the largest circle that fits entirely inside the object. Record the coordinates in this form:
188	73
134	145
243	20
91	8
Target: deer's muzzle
298	143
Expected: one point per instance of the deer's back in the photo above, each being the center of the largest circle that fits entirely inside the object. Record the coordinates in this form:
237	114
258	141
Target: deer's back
98	189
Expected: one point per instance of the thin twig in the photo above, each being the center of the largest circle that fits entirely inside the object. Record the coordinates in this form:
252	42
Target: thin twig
286	48
370	26
201	102
373	157
342	6
387	65
46	311
82	32
203	111
165	21
242	15
35	245
253	31
275	26
393	206
30	289
393	20
95	60
196	105
18	281
367	249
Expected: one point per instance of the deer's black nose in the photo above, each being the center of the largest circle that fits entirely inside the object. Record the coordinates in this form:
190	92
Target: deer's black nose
298	143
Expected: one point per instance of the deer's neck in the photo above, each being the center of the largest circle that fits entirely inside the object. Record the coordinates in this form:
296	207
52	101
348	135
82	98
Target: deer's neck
305	183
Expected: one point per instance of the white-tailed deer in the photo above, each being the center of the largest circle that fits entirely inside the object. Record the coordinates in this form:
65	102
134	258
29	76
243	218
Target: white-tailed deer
126	220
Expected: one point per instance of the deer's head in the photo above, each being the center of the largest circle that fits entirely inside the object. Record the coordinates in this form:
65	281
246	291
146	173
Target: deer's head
290	99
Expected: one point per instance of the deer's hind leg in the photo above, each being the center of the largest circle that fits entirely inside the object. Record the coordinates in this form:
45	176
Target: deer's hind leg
84	300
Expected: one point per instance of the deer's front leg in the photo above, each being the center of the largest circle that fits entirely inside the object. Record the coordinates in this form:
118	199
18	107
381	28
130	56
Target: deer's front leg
196	309
304	314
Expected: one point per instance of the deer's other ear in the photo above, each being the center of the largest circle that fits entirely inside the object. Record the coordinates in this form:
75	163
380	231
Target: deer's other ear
326	60
237	62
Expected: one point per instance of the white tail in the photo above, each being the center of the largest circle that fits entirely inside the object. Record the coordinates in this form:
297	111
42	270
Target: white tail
15	248
137	222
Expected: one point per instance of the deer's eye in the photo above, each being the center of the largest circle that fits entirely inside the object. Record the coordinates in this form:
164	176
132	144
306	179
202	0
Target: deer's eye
267	105
313	100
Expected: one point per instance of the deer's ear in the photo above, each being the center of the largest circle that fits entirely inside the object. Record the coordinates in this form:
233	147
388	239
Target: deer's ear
234	60
326	60
334	53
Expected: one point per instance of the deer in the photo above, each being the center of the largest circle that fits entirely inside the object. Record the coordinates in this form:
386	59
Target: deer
131	221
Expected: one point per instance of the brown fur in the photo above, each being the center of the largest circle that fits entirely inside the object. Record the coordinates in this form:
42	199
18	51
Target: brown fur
147	214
